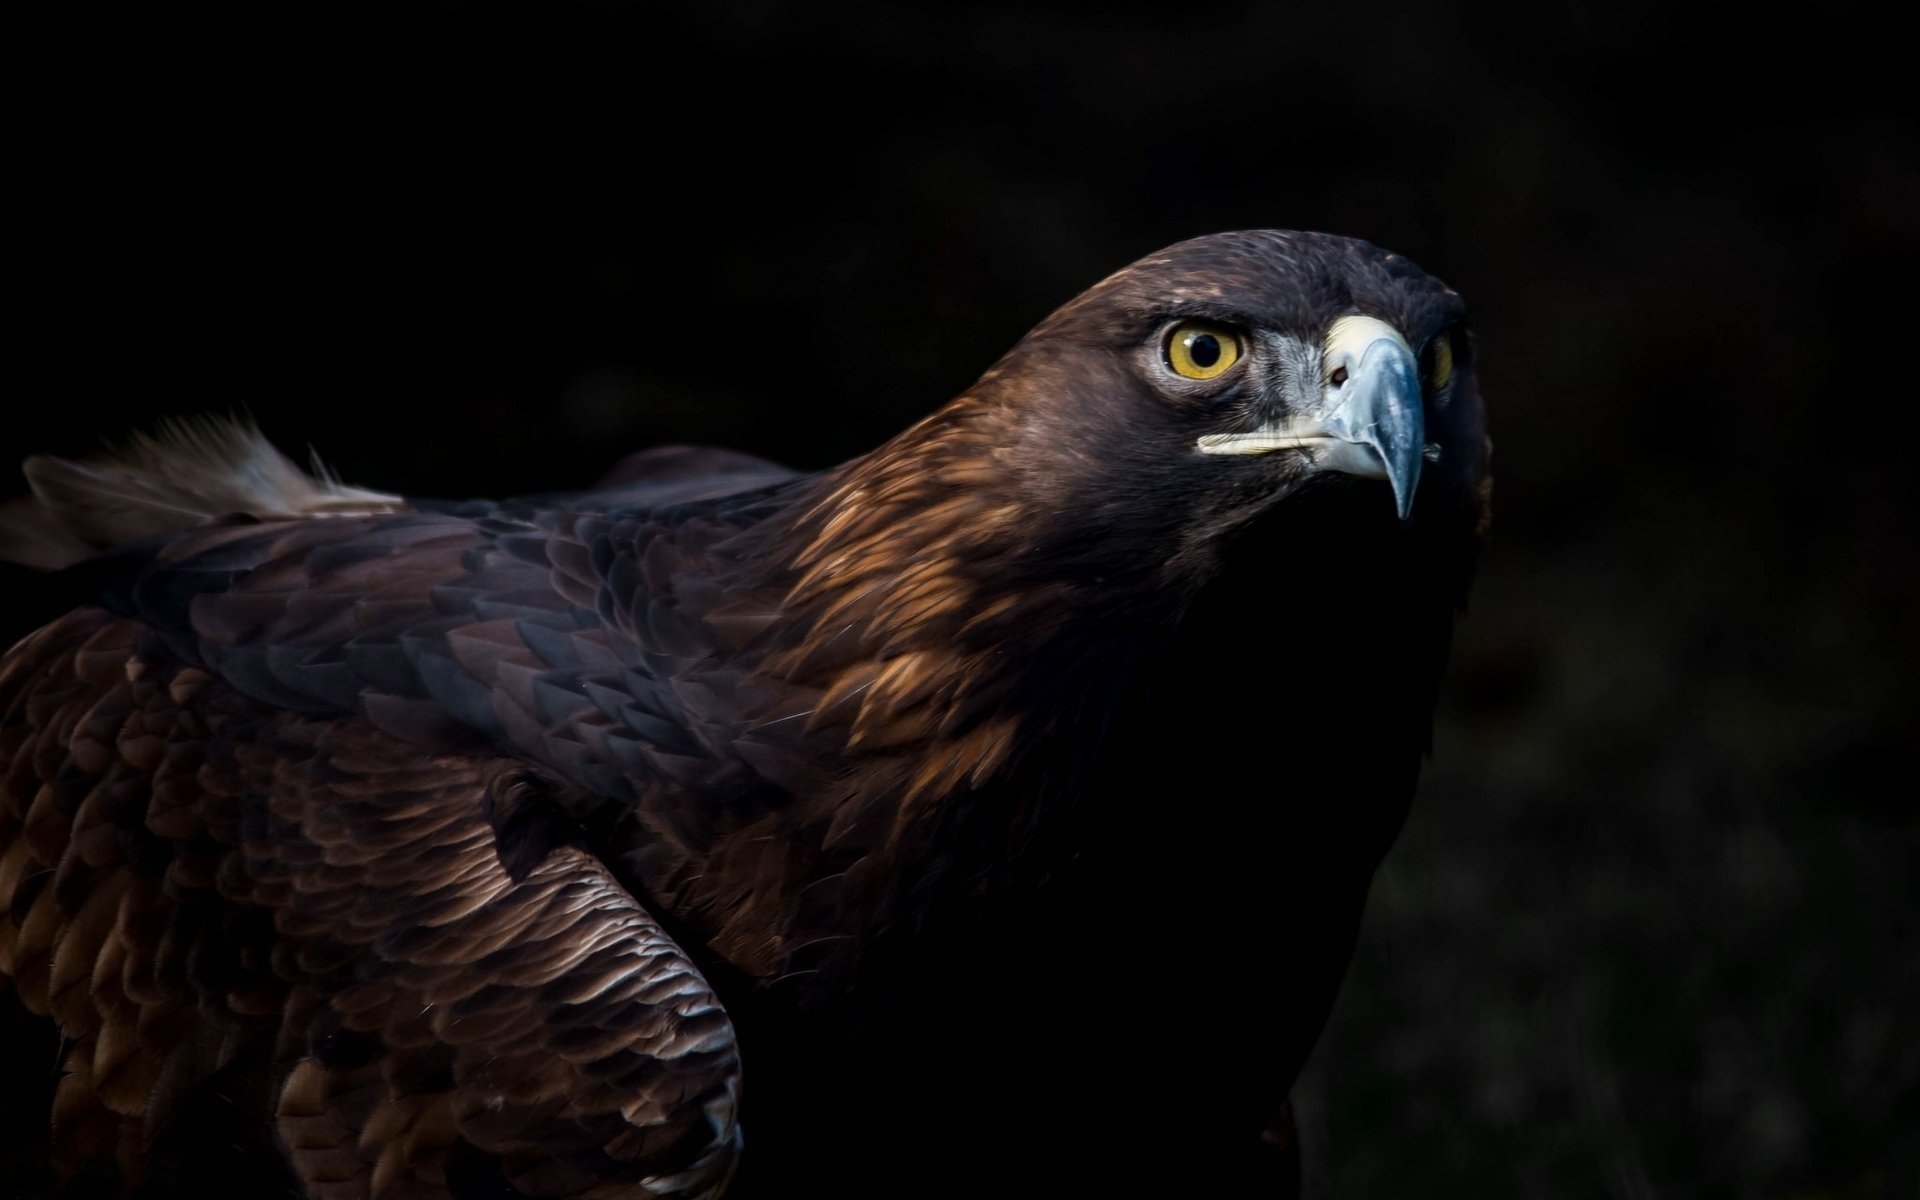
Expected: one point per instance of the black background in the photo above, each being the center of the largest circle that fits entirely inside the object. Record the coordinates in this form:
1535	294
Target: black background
1655	926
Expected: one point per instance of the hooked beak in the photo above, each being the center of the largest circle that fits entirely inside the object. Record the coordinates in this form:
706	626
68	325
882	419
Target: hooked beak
1368	421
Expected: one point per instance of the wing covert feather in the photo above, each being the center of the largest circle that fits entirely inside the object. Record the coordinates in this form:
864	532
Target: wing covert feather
191	880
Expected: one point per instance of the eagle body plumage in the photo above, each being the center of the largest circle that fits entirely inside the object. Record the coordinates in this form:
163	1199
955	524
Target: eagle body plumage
988	815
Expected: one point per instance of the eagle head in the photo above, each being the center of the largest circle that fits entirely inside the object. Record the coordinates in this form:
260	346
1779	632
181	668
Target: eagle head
1072	505
1188	393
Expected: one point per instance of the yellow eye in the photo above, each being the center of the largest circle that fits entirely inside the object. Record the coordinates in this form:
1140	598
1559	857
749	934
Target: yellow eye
1197	350
1439	364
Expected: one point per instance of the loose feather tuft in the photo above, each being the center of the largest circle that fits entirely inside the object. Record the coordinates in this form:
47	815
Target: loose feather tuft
190	473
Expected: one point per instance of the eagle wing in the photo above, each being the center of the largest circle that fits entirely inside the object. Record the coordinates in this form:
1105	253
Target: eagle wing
294	819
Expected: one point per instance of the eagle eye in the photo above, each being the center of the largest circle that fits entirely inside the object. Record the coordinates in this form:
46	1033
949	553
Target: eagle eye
1201	350
1436	363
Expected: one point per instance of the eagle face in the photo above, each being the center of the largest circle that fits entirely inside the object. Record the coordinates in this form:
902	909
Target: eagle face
1230	372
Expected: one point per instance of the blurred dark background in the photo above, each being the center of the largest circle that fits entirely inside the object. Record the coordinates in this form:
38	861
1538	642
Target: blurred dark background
1654	929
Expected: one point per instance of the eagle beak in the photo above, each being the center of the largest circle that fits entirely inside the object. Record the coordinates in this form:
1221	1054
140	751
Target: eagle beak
1367	421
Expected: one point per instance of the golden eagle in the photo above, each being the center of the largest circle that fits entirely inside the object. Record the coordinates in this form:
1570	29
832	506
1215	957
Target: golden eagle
989	815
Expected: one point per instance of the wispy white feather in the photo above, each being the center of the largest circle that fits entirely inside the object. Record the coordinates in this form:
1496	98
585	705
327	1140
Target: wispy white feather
189	473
